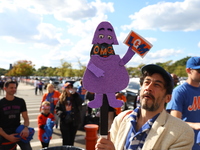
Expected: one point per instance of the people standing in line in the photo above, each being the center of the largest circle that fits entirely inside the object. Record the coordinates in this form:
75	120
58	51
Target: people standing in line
185	100
175	79
68	109
36	82
52	96
11	109
42	119
81	91
40	87
149	126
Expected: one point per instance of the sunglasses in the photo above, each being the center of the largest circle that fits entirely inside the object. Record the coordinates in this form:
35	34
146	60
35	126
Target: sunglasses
46	107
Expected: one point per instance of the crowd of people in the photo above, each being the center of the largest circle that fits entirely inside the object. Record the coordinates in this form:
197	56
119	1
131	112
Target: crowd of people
167	117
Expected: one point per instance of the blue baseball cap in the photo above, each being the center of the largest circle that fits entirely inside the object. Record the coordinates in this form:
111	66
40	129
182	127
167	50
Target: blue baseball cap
193	63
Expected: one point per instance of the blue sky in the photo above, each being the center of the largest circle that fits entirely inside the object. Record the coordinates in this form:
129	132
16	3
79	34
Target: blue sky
47	31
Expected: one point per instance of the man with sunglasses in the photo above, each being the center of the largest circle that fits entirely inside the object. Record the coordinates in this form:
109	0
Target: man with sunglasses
185	102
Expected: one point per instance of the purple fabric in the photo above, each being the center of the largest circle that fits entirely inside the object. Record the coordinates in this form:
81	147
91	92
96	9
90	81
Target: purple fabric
115	79
97	71
106	30
129	54
106	75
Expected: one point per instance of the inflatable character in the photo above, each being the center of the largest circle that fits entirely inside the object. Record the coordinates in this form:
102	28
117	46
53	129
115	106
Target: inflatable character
105	72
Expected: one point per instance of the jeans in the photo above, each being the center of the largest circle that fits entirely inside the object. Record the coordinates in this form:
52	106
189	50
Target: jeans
24	146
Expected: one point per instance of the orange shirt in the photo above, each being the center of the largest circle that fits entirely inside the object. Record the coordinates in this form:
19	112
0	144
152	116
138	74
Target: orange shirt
42	121
55	97
122	98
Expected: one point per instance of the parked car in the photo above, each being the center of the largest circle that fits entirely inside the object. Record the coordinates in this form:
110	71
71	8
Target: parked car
131	92
76	84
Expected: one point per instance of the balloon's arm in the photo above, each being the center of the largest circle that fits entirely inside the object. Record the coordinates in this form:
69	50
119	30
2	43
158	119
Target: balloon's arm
129	54
95	70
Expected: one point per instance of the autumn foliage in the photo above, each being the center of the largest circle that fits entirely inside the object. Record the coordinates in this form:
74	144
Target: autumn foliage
21	68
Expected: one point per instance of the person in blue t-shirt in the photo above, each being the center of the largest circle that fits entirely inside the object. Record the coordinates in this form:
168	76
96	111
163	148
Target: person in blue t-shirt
185	100
81	91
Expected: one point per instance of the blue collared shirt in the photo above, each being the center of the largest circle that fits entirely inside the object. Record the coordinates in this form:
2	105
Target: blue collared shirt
135	139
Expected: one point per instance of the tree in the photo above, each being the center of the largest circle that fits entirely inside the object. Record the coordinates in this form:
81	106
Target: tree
3	71
82	68
65	70
42	71
22	68
51	71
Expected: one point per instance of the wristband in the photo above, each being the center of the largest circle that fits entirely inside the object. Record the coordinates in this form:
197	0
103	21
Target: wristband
26	126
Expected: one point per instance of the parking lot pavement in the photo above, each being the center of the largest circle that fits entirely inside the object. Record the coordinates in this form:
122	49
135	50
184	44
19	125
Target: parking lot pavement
27	92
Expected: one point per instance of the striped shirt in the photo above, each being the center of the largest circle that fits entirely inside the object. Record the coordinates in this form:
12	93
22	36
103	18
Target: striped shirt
135	139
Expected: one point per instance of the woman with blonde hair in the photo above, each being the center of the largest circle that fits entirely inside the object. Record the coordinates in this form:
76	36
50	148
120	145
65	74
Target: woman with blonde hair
52	96
68	109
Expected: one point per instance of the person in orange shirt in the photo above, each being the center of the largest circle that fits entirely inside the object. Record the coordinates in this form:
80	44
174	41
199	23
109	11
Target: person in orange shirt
42	119
119	96
52	96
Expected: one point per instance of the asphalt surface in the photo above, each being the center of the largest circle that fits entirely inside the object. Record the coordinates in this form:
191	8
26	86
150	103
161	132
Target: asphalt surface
33	104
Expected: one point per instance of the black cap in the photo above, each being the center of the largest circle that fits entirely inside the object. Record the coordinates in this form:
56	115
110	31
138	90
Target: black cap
157	69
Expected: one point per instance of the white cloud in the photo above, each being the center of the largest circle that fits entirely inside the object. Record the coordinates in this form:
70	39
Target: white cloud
199	44
154	57
23	20
10	57
167	16
163	53
62	9
19	24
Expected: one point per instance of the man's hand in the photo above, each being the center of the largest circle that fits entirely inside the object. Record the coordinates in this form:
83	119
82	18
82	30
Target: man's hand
12	138
25	132
104	144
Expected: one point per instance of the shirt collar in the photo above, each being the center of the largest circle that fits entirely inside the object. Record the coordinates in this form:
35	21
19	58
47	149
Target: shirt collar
135	114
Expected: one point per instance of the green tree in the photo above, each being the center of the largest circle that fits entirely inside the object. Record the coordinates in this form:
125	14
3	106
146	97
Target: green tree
51	71
79	72
42	71
3	71
22	68
65	70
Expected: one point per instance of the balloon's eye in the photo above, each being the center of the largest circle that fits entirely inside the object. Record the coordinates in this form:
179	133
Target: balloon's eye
109	37
101	36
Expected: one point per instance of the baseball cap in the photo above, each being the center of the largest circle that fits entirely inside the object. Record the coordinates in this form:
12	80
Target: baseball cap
157	69
193	63
66	85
